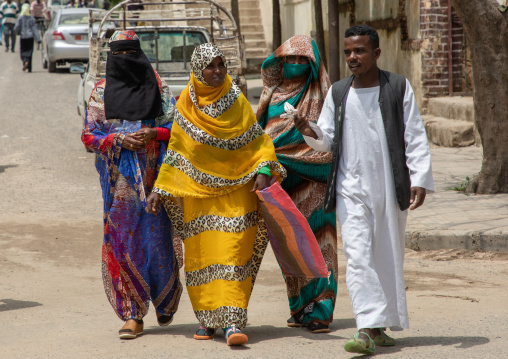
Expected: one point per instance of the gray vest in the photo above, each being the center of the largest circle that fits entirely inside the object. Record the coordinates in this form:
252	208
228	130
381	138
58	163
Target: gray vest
391	104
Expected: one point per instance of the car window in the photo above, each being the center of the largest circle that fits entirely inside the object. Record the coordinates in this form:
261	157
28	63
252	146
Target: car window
171	48
60	2
74	19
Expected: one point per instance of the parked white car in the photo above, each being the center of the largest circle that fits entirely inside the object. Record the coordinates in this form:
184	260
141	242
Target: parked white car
66	38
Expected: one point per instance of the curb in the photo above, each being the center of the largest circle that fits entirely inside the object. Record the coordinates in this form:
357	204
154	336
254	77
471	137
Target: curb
475	240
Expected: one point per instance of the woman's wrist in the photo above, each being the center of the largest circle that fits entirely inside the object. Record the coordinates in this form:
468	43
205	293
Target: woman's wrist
265	170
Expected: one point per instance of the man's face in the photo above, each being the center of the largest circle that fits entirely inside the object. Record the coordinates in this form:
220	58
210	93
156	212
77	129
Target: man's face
360	56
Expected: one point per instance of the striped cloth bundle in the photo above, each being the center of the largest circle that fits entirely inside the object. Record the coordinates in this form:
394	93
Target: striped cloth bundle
292	240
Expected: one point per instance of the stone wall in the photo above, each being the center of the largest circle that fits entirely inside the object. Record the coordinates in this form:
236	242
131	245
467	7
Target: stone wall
434	28
434	47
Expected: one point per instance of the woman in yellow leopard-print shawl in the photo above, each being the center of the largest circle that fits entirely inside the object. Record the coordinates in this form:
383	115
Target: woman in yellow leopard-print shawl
217	155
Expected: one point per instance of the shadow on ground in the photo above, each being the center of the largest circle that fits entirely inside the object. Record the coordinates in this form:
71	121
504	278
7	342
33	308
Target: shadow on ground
3	168
256	334
415	342
13	304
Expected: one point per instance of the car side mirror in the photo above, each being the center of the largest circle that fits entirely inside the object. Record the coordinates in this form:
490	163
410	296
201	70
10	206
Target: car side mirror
77	68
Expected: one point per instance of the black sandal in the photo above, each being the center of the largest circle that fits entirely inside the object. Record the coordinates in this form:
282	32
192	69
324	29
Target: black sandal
164	320
318	328
294	322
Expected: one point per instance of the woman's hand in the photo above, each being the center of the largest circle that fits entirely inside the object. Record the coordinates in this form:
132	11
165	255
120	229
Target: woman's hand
132	142
153	203
137	140
262	182
146	134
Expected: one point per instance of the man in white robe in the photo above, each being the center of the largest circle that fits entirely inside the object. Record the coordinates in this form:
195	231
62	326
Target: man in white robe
372	224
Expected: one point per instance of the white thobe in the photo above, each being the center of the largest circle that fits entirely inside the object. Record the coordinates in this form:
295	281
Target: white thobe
371	223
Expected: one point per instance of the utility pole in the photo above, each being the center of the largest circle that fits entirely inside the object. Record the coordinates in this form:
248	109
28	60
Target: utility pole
333	41
277	27
235	11
320	32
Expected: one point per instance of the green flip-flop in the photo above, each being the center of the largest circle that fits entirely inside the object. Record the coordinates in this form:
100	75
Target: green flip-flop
383	340
357	345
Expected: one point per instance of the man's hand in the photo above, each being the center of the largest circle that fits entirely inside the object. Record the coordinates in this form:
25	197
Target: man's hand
303	127
262	181
153	203
417	197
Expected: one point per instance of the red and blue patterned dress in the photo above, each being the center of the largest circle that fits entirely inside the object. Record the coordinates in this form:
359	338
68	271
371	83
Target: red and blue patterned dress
139	263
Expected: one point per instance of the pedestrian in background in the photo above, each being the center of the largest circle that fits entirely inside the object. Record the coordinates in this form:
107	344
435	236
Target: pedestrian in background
1	30
8	11
295	74
27	30
40	13
381	167
128	123
38	10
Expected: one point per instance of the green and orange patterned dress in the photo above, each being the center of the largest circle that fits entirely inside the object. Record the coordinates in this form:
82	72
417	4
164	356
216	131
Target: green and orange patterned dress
304	86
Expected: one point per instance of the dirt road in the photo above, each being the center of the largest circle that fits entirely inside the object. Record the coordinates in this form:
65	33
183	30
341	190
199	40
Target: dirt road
52	303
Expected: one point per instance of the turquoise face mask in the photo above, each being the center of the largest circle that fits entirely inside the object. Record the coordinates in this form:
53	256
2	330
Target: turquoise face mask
295	70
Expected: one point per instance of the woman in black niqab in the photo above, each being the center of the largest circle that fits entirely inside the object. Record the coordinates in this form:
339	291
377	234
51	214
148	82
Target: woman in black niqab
131	91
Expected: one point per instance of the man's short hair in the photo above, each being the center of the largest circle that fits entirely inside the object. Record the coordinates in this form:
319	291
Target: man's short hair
360	30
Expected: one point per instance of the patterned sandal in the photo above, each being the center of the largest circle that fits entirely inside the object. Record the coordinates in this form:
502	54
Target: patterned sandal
234	336
357	345
383	340
204	333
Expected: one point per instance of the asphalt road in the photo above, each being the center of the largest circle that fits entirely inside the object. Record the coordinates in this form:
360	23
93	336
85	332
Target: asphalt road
52	303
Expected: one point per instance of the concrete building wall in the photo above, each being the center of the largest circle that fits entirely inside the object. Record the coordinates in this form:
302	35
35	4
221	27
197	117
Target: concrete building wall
297	18
267	21
399	50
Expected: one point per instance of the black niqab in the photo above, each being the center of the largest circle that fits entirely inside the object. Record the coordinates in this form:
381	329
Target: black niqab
131	92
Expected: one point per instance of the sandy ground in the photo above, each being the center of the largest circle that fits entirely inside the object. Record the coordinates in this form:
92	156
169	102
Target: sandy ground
52	303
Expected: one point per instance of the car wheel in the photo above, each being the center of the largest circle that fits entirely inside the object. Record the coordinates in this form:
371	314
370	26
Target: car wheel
51	66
